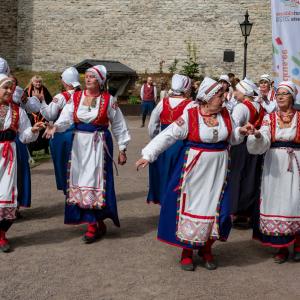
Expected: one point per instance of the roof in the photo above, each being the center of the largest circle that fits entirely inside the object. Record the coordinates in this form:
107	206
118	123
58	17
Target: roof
113	67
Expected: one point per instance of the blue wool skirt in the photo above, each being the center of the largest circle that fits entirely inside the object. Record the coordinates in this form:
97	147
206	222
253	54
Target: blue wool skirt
24	177
161	170
168	215
60	147
77	215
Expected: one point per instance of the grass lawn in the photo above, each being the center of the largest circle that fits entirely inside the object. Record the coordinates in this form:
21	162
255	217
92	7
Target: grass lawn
39	157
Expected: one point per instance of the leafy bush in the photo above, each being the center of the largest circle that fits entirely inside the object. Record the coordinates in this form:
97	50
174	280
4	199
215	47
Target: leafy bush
134	100
191	66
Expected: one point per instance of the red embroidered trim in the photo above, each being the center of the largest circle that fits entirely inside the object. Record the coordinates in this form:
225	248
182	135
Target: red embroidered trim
183	212
273	126
15	116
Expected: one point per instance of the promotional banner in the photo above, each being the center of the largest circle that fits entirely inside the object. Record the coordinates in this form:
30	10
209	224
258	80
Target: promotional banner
286	41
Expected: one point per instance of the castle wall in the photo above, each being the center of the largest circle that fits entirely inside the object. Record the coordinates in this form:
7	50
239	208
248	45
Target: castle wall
8	30
142	33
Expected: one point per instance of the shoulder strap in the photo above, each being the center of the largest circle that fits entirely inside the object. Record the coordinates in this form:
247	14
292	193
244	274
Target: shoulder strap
76	101
252	110
66	95
260	118
226	117
194	134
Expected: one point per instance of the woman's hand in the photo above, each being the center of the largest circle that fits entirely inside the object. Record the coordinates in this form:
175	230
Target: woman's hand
37	127
38	95
257	133
248	129
50	131
141	163
122	158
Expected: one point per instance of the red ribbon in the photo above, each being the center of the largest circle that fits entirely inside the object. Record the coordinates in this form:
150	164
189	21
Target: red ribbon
8	155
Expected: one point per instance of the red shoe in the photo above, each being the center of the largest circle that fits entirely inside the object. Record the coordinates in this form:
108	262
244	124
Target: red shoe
187	260
94	232
4	245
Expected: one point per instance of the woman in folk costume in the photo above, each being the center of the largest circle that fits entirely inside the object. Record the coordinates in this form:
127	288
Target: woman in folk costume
229	100
245	168
38	89
29	104
13	121
196	208
91	194
267	94
166	112
278	220
61	144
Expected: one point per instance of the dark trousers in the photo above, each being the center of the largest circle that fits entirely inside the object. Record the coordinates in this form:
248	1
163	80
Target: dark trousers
147	108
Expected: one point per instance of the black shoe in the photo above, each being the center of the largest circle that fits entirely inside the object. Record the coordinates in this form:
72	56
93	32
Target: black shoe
210	265
143	125
296	257
281	257
5	248
89	239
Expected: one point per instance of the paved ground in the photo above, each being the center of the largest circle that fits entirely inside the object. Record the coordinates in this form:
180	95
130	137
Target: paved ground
49	260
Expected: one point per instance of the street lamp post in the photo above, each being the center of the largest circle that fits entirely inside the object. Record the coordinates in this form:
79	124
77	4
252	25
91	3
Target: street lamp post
246	27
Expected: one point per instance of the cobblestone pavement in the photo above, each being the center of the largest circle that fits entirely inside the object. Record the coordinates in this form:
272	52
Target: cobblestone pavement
49	260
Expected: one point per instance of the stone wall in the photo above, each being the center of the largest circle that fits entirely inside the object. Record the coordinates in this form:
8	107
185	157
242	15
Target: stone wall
58	33
8	30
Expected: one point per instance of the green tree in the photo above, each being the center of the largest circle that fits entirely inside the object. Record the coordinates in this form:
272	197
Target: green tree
191	66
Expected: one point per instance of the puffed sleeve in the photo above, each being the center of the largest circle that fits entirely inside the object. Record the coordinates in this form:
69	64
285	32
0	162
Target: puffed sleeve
262	144
154	122
25	134
240	114
65	119
235	137
118	124
269	107
51	111
178	130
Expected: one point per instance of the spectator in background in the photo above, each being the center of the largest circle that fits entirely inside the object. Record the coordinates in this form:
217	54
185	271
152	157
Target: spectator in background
231	78
163	91
195	88
37	89
148	97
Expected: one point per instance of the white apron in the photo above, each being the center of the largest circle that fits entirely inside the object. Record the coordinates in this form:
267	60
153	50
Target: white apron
280	190
201	193
8	175
87	174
